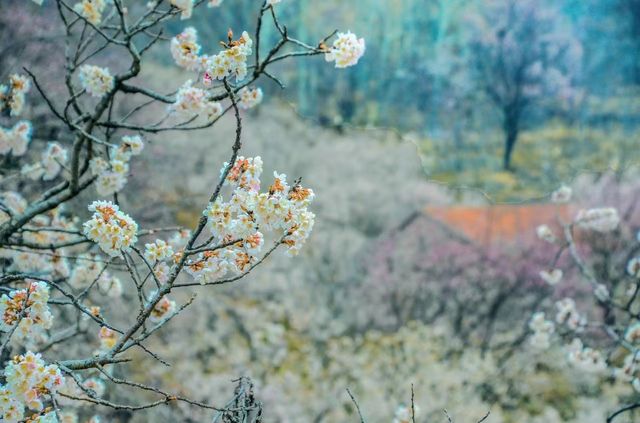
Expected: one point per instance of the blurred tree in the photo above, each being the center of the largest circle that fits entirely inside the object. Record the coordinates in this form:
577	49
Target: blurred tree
520	53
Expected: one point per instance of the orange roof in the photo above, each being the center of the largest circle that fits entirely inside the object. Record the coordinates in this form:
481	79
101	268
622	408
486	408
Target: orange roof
485	224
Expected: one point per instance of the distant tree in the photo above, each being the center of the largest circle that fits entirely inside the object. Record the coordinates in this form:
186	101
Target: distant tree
520	53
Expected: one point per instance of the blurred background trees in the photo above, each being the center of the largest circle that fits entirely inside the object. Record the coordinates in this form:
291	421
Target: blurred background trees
473	78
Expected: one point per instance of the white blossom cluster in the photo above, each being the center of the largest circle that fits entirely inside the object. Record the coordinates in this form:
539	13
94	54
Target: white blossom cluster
162	310
552	277
89	268
232	61
185	6
159	250
28	309
113	230
12	96
130	145
633	267
161	272
568	315
629	370
599	220
632	335
107	337
95	80
54	157
249	97
51	228
15	140
185	49
180	239
192	101
545	233
562	195
31	261
542	331
346	51
586	359
214	3
45	230
601	292
91	10
29	380
14	203
112	176
247	214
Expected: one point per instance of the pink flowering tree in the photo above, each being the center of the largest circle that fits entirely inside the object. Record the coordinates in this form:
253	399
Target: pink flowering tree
426	271
65	347
522	54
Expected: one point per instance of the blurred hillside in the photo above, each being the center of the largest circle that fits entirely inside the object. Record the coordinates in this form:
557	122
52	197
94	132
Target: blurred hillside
306	329
545	158
425	73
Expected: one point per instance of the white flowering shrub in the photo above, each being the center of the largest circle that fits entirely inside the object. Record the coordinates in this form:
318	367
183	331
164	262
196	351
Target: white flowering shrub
599	332
65	272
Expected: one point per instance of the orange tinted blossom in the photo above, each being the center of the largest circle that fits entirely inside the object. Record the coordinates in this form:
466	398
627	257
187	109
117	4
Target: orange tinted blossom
276	187
299	193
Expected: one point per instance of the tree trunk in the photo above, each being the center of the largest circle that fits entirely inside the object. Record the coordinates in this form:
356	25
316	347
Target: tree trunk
511	128
510	142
